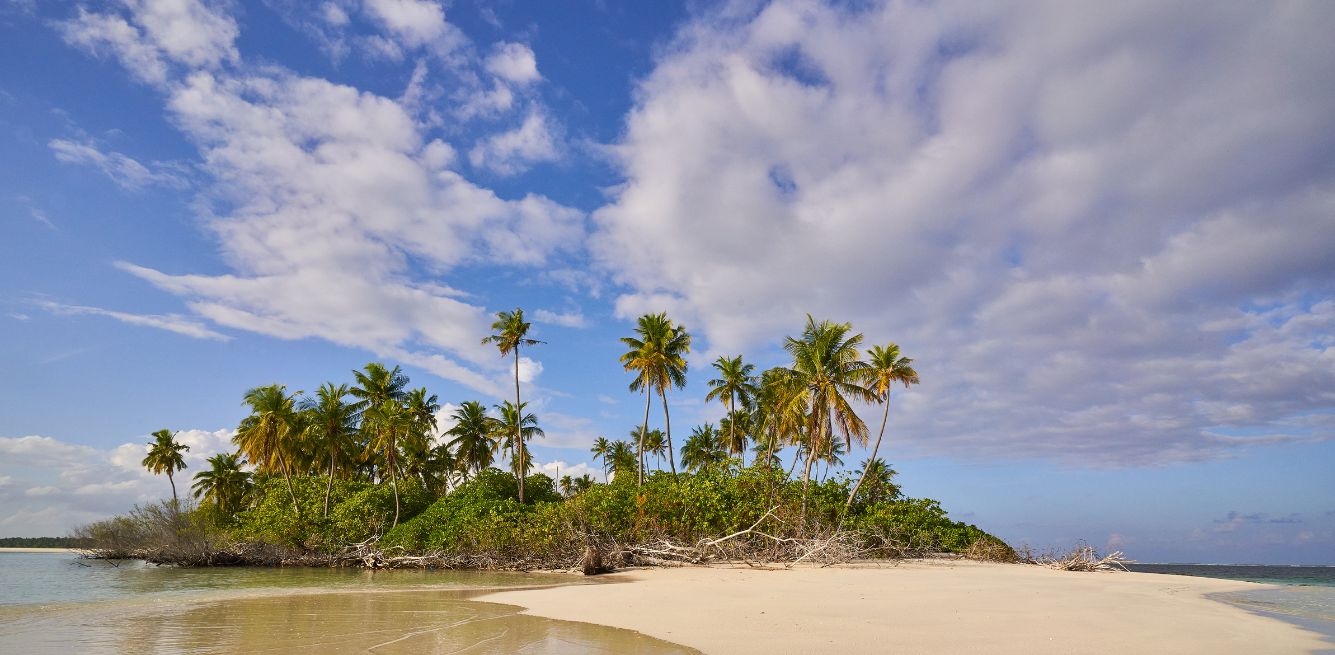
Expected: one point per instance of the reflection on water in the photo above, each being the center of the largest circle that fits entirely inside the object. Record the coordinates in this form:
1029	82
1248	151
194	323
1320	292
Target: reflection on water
69	608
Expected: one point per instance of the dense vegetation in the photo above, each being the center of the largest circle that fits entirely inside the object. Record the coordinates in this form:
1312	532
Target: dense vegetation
41	542
362	473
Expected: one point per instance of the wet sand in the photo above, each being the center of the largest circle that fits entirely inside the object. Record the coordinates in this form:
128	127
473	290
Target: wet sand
922	607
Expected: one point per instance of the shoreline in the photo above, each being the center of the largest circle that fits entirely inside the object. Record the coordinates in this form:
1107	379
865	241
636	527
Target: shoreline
922	606
19	549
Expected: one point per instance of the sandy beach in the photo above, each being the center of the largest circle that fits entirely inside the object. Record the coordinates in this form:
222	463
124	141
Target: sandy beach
921	607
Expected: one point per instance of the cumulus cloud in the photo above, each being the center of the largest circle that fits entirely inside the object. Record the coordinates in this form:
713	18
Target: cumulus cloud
514	62
571	319
48	485
169	322
153	34
1099	240
125	171
560	468
338	214
515	151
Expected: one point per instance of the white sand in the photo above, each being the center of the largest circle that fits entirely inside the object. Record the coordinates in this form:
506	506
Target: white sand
921	607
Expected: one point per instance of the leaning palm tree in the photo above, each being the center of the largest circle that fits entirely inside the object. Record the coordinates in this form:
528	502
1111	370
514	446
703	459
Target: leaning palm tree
734	383
508	426
510	331
601	448
268	437
657	356
885	368
225	484
331	424
164	456
826	366
473	432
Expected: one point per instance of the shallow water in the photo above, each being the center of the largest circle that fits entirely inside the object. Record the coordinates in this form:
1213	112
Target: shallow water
54	603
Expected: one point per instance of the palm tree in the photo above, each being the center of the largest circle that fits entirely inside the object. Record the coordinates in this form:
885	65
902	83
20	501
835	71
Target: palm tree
703	450
780	411
225	484
583	483
511	332
381	392
567	486
827	367
417	448
268	436
601	448
473	430
734	383
164	456
654	444
623	458
734	429
885	367
657	356
332	427
879	480
507	427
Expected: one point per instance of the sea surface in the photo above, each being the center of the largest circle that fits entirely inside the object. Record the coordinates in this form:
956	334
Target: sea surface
1300	594
59	603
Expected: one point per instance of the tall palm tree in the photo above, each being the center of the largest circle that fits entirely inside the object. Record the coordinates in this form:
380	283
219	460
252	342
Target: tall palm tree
381	392
780	411
826	365
885	368
331	424
510	425
601	449
735	429
510	331
225	484
703	450
268	437
657	356
421	411
734	383
165	456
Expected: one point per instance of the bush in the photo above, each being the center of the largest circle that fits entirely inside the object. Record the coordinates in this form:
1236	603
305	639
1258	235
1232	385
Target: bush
357	511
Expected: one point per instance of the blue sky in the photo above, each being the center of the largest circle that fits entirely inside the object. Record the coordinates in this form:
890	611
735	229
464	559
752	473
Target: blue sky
1103	234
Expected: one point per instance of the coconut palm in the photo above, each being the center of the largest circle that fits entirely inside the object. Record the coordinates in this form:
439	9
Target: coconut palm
225	484
734	430
583	483
270	435
780	411
418	454
878	481
826	365
601	448
385	420
703	450
657	356
331	427
623	458
509	333
165	456
654	444
885	368
473	445
510	425
734	383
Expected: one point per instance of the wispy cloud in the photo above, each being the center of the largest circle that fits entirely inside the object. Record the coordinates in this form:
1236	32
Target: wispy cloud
571	319
169	322
125	171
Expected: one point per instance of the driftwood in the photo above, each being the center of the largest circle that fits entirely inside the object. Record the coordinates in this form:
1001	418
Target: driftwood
1084	558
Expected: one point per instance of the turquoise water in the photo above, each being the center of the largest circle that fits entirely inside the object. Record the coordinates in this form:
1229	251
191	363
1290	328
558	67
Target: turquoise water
1300	594
59	603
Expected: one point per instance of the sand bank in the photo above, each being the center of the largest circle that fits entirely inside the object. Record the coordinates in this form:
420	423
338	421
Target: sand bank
921	607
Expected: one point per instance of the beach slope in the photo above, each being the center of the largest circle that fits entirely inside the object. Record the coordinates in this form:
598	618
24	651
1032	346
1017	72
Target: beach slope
921	607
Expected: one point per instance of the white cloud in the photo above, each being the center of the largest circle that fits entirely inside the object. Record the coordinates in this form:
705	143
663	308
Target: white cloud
514	62
560	468
416	23
1098	243
125	171
48	486
529	370
572	319
157	32
513	152
169	322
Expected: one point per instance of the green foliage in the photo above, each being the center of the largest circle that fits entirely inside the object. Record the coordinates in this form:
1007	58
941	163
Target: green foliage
919	525
358	511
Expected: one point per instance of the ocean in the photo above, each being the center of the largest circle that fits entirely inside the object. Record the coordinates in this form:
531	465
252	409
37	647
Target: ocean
59	603
1299	594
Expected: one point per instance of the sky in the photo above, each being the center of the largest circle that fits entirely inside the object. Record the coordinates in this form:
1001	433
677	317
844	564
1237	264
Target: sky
1105	233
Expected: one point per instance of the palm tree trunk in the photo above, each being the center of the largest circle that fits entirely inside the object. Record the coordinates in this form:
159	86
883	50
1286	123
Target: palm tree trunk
330	486
519	431
282	463
667	425
394	482
648	397
872	458
175	502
